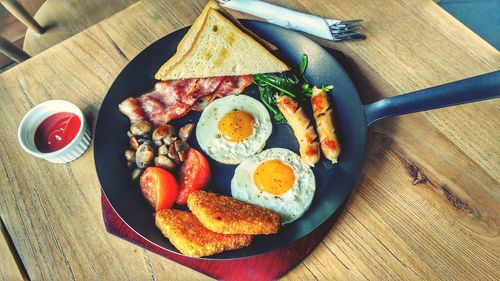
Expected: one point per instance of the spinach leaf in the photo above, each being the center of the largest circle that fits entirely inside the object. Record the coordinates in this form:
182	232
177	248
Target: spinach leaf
294	85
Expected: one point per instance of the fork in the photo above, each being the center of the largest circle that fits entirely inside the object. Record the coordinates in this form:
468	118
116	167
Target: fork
331	29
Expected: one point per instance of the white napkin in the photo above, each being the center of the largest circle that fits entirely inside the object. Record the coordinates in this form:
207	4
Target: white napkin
287	18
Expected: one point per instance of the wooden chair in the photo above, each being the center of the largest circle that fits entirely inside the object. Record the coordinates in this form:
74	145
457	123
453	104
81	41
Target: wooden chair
65	18
60	20
8	48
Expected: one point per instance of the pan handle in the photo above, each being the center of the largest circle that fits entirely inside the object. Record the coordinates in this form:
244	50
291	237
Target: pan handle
486	86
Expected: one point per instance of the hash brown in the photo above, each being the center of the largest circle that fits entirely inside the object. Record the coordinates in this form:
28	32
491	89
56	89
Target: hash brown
223	214
192	239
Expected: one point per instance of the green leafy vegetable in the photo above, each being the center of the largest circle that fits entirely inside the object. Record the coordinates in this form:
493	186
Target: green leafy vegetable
303	64
291	84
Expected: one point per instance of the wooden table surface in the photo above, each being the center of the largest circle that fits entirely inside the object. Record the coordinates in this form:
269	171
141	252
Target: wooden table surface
427	203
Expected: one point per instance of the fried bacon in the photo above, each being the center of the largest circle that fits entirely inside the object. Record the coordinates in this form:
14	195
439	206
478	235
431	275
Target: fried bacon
302	128
230	85
322	111
173	99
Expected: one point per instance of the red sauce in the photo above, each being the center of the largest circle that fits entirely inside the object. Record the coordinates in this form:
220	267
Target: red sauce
57	131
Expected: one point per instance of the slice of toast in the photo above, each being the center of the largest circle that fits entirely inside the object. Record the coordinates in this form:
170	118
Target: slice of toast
221	49
192	239
187	41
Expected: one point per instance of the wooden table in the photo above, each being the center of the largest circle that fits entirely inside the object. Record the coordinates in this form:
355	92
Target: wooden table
427	204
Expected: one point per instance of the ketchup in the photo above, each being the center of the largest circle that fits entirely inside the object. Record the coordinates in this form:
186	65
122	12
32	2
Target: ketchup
57	131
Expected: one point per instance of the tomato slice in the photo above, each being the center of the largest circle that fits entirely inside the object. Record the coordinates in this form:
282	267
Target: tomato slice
159	187
194	175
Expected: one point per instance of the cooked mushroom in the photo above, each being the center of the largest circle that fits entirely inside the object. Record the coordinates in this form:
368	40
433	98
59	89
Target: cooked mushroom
129	134
144	155
144	140
172	154
164	162
164	131
168	140
133	143
136	173
185	131
163	150
182	148
130	156
141	127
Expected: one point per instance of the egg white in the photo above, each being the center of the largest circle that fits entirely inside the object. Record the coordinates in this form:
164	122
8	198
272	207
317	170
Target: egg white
292	204
223	150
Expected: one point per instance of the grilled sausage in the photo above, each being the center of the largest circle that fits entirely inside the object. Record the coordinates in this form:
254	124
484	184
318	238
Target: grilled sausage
322	111
302	128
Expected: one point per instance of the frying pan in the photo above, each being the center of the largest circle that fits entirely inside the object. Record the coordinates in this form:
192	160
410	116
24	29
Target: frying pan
334	182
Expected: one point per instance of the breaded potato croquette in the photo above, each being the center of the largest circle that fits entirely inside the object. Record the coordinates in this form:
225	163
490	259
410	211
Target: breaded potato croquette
227	215
192	239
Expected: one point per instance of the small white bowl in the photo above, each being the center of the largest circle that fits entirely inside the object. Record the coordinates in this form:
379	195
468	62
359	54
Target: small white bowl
31	121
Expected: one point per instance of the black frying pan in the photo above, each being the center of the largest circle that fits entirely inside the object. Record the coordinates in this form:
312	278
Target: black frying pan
334	183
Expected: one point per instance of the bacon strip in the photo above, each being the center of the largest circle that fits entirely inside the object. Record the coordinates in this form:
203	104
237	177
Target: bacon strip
132	109
173	99
230	85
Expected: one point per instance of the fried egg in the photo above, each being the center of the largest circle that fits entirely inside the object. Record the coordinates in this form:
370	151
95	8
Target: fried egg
233	128
275	179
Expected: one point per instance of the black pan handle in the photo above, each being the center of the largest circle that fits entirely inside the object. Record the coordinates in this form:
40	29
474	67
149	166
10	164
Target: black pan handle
486	86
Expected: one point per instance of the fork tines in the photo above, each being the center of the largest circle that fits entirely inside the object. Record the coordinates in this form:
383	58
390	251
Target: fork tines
347	29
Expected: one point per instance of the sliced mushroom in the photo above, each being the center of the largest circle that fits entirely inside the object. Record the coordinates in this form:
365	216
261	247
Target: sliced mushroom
130	156
168	140
136	173
141	127
133	143
182	148
144	155
164	131
129	134
144	140
163	150
164	162
185	131
172	154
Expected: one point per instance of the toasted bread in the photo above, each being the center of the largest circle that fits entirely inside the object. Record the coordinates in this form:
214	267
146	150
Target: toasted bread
192	239
227	215
221	49
187	41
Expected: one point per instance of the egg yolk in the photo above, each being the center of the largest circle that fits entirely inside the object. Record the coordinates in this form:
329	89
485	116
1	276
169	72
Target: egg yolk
236	125
274	176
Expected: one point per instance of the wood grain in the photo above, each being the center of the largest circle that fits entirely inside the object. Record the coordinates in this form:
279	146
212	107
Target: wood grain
427	203
65	18
9	269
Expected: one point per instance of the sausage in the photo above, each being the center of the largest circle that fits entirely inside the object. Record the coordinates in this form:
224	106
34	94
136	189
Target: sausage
323	115
302	128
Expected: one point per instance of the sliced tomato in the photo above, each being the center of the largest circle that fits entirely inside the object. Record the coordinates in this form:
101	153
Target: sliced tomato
159	187
194	175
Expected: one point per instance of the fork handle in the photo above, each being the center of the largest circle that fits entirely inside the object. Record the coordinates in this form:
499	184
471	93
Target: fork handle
282	16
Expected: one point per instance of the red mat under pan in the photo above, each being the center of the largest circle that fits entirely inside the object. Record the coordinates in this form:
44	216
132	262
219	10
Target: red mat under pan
268	266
